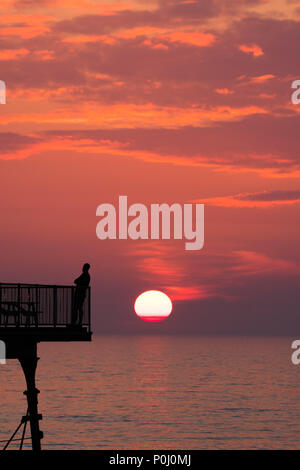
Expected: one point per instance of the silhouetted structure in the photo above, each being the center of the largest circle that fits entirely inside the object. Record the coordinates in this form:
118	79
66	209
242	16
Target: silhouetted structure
30	314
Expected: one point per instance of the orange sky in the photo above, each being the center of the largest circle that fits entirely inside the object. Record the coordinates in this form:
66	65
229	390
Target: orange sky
167	101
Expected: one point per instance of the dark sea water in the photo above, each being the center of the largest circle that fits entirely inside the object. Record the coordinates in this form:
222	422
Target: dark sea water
160	392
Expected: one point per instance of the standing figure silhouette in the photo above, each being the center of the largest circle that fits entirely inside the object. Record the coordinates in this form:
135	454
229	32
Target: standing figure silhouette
82	284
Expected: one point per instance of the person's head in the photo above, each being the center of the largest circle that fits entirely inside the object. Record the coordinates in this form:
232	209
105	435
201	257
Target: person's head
86	267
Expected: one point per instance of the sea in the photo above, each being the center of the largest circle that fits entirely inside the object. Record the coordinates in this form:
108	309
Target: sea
160	392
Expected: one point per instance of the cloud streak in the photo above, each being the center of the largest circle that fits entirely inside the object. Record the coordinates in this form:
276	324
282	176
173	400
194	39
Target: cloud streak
263	200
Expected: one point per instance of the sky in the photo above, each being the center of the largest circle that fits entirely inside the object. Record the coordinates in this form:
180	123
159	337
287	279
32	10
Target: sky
168	101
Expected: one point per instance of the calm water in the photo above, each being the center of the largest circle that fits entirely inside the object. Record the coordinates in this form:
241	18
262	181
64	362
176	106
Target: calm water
158	392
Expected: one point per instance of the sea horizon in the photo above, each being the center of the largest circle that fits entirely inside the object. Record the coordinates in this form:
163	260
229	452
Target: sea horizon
160	392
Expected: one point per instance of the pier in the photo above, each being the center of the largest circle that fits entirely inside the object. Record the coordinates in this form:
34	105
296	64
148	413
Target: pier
30	314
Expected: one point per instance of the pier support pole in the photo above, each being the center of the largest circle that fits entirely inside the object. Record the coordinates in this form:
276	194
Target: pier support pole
28	360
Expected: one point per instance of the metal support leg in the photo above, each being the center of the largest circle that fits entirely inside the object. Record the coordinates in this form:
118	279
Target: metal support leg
28	360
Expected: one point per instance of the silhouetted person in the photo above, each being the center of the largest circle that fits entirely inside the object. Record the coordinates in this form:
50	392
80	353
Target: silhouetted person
82	284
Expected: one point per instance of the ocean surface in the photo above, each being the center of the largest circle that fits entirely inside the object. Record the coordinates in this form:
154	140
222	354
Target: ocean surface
161	392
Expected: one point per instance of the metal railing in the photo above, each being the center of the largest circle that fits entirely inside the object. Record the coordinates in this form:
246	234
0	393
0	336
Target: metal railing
43	305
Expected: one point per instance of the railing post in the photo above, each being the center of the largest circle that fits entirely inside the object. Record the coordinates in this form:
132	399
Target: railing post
19	304
37	297
73	289
55	305
89	315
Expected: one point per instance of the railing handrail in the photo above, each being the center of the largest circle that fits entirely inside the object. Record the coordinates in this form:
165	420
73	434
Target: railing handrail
16	284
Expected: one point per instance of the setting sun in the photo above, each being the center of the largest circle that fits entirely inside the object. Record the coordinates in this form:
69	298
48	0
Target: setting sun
153	305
